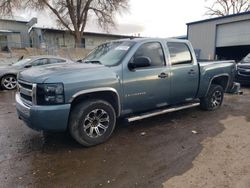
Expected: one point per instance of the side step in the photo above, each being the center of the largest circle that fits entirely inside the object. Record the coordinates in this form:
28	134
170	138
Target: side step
163	111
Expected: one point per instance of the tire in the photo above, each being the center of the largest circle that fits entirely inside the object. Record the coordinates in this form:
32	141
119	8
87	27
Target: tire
87	117
9	82
214	98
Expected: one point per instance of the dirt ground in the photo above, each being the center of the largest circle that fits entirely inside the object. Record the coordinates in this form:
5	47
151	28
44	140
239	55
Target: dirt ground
189	148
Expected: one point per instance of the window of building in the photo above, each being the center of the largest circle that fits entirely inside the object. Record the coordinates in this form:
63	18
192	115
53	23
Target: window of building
83	42
40	38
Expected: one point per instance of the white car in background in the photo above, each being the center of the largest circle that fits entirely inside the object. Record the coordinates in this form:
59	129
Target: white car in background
8	73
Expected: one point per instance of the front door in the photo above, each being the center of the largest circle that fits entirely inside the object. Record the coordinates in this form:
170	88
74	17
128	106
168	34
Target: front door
147	87
184	73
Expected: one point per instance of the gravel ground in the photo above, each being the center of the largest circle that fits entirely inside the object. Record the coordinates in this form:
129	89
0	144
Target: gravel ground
189	148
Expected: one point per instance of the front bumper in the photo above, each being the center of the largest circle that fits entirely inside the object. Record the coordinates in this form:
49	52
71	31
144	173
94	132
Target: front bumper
243	78
235	88
48	118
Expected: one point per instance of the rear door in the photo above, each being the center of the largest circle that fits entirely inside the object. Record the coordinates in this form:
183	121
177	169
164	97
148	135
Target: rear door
184	72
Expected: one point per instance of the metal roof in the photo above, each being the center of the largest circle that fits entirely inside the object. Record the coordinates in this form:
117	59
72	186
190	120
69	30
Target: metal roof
219	18
85	33
14	19
5	31
8	32
148	39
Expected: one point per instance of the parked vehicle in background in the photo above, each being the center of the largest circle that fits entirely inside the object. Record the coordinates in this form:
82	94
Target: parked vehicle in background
132	79
243	70
8	74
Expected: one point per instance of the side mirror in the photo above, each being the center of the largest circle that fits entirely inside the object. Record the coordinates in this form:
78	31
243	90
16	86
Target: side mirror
139	62
28	66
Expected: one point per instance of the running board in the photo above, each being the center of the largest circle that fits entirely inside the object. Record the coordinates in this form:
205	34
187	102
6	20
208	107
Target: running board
164	111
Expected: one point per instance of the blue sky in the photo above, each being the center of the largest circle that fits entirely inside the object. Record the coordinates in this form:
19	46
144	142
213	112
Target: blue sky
158	18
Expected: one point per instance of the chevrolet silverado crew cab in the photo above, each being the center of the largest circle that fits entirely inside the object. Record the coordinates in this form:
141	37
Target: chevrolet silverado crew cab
131	79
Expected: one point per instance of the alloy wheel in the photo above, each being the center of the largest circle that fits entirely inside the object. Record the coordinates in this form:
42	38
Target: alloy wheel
96	123
9	82
216	99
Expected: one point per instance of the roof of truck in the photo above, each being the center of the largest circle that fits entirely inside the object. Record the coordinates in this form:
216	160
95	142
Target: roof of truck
152	39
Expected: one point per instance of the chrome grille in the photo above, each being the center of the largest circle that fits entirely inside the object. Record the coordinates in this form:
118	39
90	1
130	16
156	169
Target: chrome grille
27	92
244	72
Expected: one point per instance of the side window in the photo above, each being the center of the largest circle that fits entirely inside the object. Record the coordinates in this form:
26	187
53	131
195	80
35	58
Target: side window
152	50
39	62
179	53
53	60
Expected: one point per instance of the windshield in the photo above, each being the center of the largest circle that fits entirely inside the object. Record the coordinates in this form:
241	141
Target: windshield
246	59
110	53
22	62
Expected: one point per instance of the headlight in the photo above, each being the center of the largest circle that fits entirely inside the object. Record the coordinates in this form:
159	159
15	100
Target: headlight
50	94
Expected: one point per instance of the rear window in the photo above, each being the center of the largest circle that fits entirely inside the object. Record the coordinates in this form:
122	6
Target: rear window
53	60
39	62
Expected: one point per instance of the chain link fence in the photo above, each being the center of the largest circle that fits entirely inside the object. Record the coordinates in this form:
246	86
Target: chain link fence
10	52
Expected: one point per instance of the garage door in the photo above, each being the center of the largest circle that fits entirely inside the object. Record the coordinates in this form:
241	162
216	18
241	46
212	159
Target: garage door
233	34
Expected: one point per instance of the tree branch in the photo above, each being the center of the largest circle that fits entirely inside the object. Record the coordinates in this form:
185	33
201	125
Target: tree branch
226	7
58	16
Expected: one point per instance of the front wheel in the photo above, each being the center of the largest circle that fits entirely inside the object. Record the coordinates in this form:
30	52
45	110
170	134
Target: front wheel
9	82
214	98
92	122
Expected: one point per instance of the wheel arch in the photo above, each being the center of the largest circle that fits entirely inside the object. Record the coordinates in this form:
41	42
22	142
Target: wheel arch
108	94
8	74
222	80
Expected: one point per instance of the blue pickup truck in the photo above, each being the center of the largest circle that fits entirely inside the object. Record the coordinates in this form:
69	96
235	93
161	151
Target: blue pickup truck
131	79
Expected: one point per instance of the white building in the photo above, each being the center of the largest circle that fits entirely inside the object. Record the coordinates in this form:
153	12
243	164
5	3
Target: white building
41	37
225	37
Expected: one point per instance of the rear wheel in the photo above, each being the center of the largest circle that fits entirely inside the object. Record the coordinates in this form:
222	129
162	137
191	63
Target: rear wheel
9	82
92	122
214	98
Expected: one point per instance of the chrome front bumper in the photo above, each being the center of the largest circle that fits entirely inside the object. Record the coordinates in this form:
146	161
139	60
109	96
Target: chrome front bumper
48	118
21	107
235	89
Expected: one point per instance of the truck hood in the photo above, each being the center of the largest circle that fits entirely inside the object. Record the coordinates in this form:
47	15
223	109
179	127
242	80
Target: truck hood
42	73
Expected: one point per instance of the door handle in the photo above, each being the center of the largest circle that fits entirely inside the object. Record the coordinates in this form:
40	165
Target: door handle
163	75
192	71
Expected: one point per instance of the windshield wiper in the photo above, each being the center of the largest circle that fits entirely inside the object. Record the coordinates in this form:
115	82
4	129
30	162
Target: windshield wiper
92	61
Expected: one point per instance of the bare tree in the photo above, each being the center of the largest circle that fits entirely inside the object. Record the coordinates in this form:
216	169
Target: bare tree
7	6
73	14
226	7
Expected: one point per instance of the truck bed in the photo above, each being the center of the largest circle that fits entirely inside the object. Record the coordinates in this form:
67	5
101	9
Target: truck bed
210	69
